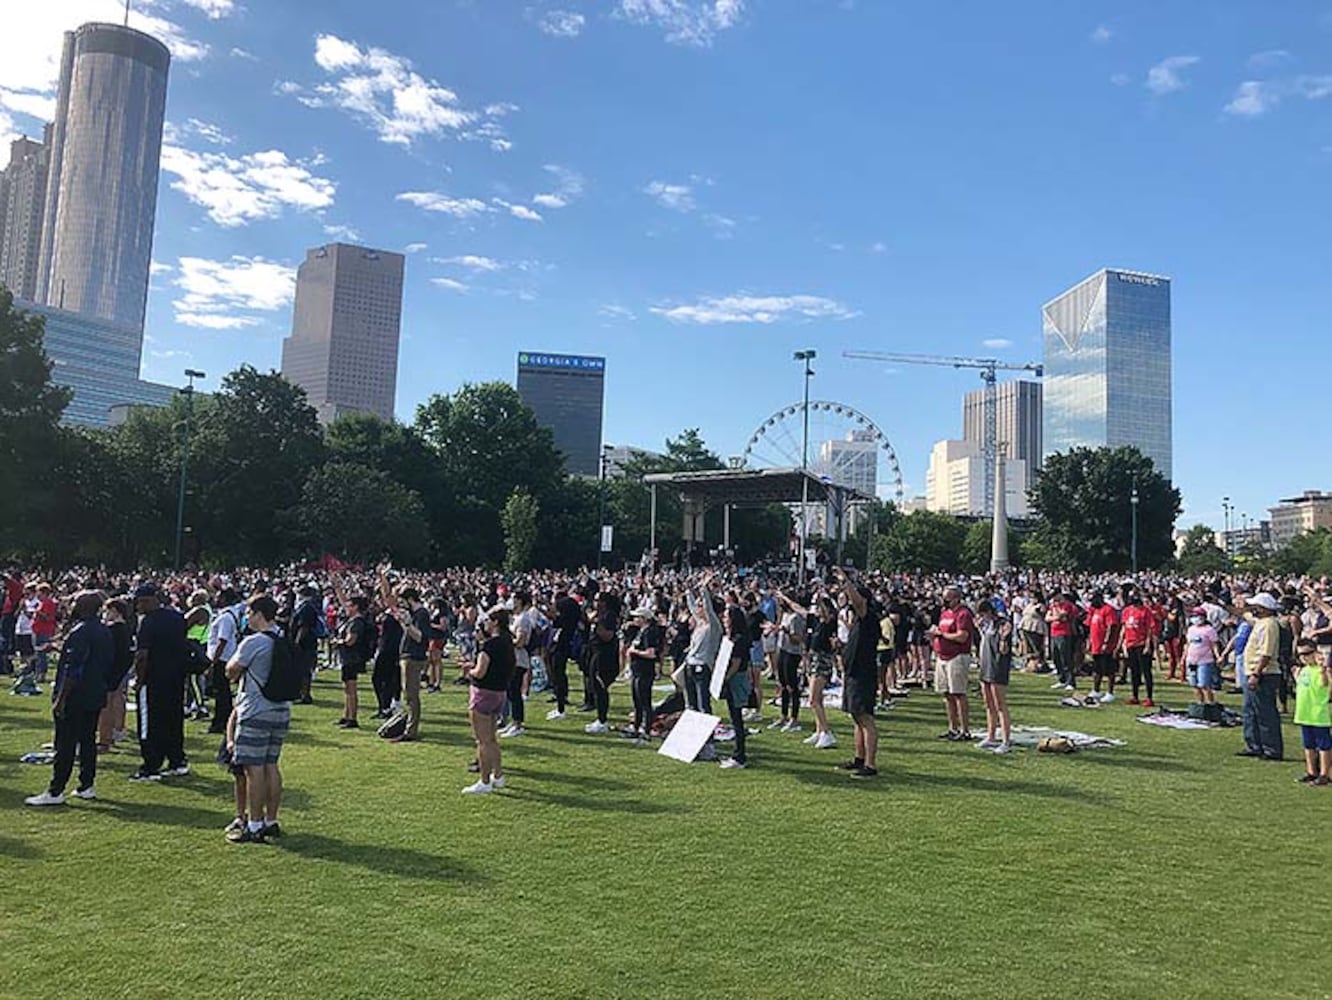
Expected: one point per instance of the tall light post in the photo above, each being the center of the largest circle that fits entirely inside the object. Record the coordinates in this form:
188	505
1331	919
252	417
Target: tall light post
601	503
806	357
1226	509
188	392
1133	503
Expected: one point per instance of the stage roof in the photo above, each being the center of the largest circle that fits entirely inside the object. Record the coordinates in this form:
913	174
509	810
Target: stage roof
755	486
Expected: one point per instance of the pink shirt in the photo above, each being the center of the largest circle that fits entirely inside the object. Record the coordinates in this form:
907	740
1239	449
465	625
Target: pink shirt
1199	642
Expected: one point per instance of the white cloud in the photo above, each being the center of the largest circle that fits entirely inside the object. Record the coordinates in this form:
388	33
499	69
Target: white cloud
755	309
686	22
997	343
722	226
1166	77
221	295
1269	59
677	197
398	103
414	247
1102	34
1121	79
239	53
616	312
473	262
39	106
433	201
878	247
214	9
562	23
449	283
1254	98
237	190
343	234
520	211
157	267
568	186
206	131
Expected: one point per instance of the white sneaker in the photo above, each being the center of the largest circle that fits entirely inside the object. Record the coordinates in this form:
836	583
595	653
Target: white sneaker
497	781
1003	748
792	727
480	788
825	741
1069	687
778	724
596	728
555	715
1056	685
177	772
45	799
509	731
87	794
1107	698
812	737
731	764
987	744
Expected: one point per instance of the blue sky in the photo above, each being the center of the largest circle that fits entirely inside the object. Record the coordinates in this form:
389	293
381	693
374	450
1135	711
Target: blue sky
695	189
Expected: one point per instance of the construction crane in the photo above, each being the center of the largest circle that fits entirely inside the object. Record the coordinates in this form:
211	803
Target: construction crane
987	367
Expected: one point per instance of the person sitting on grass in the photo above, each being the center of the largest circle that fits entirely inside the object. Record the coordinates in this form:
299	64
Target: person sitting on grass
1313	688
261	725
996	665
1202	657
495	665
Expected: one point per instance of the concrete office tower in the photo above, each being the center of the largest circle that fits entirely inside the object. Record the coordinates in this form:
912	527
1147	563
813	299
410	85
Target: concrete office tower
101	194
1107	366
566	393
955	481
22	202
1018	423
343	348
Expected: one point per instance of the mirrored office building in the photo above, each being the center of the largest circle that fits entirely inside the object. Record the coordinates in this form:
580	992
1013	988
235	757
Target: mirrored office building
1107	366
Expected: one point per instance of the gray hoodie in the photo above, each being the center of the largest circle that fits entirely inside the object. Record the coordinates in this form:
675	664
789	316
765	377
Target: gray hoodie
705	640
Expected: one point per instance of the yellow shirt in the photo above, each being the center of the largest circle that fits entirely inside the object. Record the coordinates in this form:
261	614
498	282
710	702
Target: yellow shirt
1264	640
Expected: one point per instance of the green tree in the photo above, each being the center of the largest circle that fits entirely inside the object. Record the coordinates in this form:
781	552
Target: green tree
1309	553
924	541
876	521
1082	498
978	547
1199	553
521	512
31	406
567	525
362	514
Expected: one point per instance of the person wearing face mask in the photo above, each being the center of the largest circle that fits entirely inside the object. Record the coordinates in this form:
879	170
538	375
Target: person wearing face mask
1202	653
1102	639
1136	642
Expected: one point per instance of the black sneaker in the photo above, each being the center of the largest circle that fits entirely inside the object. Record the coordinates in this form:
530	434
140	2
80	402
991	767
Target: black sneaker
1248	753
474	767
350	724
142	775
951	736
341	723
1306	779
865	771
271	831
245	836
851	765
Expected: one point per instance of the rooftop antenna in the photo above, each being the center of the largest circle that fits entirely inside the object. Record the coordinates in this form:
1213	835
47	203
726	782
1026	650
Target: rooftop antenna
127	5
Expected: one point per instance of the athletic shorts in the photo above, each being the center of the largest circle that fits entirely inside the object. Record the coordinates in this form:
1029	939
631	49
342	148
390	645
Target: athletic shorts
259	739
950	676
1104	665
821	665
484	701
858	696
351	671
1316	737
887	657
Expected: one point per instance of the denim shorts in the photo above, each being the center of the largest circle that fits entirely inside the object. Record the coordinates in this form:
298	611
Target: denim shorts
1205	675
1317	737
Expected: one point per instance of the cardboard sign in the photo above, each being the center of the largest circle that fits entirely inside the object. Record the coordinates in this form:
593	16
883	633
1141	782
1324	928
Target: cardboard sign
687	738
724	654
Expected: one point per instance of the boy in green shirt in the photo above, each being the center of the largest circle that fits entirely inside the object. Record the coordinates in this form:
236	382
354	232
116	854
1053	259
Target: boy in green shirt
1313	714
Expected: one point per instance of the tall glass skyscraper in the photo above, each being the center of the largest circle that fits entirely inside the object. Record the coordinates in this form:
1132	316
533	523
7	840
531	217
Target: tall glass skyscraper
1107	366
566	392
101	192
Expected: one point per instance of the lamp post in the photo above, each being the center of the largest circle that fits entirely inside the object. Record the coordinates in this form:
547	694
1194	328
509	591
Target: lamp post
188	392
601	502
1226	509
1133	503
806	357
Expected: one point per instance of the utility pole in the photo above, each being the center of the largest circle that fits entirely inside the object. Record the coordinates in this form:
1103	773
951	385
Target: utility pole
1133	502
188	392
601	504
806	357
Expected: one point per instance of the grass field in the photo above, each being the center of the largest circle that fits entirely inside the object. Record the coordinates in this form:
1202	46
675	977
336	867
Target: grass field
1165	868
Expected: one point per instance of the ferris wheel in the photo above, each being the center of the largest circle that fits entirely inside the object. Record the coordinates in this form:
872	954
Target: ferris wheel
845	446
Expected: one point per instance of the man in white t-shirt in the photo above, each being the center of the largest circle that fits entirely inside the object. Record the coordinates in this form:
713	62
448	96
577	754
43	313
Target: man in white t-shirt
524	628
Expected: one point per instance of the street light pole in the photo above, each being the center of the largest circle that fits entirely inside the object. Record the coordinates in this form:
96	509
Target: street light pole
1133	502
1225	507
601	503
806	357
188	392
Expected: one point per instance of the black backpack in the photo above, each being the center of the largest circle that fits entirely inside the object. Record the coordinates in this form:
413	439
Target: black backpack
284	675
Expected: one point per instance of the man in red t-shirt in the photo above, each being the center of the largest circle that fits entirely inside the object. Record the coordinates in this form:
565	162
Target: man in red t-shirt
954	638
1063	618
1102	641
43	628
1136	641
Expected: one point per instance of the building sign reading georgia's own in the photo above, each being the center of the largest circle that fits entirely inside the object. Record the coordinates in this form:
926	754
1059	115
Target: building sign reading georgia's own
527	359
1138	279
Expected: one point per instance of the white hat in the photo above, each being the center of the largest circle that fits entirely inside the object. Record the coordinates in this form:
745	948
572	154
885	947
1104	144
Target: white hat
1263	600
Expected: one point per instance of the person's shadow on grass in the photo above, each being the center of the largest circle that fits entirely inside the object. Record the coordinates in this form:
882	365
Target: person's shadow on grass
403	862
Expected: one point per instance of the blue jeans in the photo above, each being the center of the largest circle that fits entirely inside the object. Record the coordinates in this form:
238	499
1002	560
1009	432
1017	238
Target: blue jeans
1262	723
697	682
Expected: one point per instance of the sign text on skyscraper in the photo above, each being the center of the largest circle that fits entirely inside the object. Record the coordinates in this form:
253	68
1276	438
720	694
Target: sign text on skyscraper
1138	279
530	360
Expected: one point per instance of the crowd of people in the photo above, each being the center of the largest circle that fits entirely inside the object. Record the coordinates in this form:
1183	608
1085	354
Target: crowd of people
238	649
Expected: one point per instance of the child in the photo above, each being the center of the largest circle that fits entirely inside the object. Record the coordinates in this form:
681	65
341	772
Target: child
1202	657
226	756
996	667
1313	714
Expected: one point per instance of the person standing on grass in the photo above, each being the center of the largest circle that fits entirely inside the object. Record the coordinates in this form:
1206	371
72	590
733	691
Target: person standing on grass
224	635
567	621
386	675
83	677
604	658
1202	657
1313	688
1062	618
861	676
1262	679
415	622
304	632
160	661
822	663
1102	641
643	656
954	638
111	721
1136	642
524	640
495	664
261	725
353	642
791	642
736	683
996	666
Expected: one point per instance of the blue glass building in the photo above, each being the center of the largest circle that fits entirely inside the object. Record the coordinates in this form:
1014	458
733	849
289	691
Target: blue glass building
566	392
1107	366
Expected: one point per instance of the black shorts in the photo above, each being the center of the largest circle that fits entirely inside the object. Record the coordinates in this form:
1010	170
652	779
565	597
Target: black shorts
858	696
23	644
886	657
1103	665
351	671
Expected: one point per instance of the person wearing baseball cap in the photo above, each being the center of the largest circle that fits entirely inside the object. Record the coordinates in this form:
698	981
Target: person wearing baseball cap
1262	680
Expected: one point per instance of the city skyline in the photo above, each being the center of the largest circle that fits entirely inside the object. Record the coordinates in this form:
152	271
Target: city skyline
570	195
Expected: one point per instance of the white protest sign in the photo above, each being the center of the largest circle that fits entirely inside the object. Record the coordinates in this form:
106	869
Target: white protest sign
687	738
719	668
